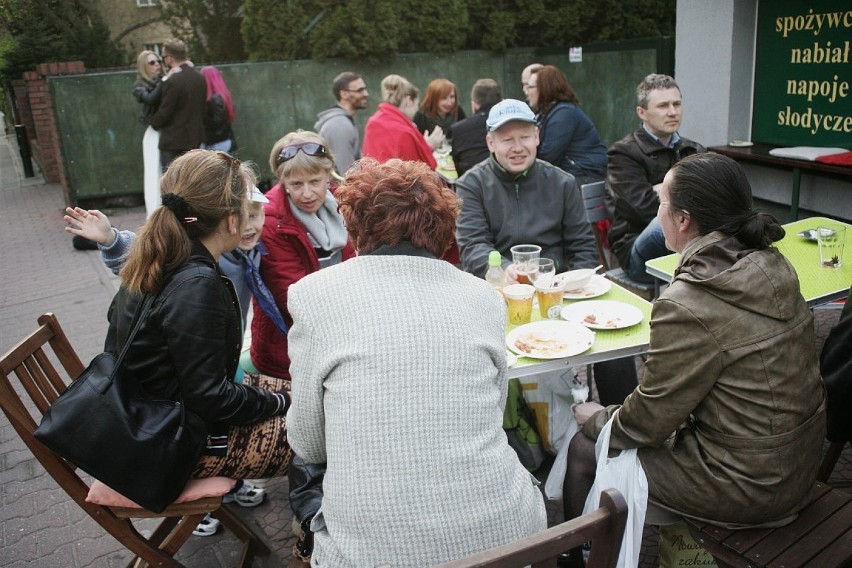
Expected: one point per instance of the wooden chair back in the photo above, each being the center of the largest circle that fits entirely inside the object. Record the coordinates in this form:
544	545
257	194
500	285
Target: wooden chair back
604	527
42	382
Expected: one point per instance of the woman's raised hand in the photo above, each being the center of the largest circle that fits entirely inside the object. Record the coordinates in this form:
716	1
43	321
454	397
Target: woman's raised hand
435	138
90	224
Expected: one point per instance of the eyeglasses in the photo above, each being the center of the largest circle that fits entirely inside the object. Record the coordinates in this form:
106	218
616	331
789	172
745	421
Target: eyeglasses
154	62
309	148
361	90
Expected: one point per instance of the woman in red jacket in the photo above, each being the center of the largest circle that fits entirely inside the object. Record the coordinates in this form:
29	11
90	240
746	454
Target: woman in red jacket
390	133
303	232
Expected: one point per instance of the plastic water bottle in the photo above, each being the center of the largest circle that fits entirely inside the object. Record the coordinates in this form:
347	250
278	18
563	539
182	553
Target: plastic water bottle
495	275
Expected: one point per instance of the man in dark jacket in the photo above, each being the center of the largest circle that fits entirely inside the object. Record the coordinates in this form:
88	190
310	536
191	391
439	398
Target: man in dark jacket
636	166
469	146
180	118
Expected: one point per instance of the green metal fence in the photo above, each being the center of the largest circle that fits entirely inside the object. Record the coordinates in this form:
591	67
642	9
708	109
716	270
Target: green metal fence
101	138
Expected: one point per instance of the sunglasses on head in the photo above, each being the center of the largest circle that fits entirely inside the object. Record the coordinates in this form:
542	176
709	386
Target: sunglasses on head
310	148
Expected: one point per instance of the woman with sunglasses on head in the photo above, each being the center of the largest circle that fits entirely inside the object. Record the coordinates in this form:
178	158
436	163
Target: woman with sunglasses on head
148	90
390	132
188	346
303	232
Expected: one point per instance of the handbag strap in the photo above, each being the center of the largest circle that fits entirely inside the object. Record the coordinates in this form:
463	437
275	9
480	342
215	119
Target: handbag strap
139	316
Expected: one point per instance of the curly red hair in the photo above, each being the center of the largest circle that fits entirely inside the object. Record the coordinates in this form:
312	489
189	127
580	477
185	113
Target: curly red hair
395	201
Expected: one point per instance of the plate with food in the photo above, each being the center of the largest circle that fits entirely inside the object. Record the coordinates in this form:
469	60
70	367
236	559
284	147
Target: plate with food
550	339
597	286
602	314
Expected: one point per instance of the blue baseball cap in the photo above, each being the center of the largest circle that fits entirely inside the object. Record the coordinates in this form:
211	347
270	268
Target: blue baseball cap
508	110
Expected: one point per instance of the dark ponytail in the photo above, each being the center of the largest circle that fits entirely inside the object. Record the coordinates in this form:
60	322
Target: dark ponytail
714	191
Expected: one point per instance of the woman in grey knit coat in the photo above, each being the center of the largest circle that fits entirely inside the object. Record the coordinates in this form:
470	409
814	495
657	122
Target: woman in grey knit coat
398	369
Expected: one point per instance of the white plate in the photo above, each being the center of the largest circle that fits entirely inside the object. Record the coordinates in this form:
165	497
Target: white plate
740	143
551	339
597	286
602	314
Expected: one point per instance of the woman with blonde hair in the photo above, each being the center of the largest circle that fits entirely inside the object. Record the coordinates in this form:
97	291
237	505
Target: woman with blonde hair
147	90
303	232
188	346
390	133
440	107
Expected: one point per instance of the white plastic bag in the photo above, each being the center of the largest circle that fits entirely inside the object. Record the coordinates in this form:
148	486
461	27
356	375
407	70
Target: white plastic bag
623	472
556	477
550	397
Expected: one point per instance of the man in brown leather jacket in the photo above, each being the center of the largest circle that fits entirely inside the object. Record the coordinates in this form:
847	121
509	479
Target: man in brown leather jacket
636	166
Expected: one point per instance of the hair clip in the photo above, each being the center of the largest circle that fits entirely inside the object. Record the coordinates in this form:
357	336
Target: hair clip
187	220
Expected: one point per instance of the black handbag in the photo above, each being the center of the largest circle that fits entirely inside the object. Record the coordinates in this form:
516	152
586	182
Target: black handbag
104	423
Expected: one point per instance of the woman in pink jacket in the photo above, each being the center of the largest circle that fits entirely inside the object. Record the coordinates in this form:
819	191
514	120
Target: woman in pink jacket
390	133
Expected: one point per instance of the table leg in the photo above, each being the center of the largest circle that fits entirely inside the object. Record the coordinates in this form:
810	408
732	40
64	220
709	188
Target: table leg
794	202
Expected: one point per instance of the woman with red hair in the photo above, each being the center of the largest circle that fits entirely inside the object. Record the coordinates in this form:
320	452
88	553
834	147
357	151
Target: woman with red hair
219	115
440	107
399	384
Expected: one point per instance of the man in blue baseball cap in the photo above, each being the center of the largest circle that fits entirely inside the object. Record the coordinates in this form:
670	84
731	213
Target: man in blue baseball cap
512	198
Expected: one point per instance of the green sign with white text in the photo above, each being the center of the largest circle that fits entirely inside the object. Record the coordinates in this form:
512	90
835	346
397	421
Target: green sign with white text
803	73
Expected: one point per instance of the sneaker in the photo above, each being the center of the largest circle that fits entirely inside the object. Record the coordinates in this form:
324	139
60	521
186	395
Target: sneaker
207	527
247	495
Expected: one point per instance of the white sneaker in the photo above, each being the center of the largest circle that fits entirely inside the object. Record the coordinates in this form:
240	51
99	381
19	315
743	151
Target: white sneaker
207	527
248	495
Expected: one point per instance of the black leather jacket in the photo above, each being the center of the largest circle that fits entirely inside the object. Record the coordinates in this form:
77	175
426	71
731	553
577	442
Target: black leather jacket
149	94
189	345
217	125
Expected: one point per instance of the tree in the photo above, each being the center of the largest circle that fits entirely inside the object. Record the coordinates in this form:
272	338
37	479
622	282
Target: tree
210	28
43	31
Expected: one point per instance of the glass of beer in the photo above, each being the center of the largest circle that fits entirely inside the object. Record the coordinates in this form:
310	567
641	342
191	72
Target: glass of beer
549	293
524	261
519	301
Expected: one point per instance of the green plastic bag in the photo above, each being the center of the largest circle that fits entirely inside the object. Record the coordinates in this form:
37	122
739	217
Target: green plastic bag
519	425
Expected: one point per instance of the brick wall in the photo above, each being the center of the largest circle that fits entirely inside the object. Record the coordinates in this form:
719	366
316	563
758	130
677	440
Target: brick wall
35	111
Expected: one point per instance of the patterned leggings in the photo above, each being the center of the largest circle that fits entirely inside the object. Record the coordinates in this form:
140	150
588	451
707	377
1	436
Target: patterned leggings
258	451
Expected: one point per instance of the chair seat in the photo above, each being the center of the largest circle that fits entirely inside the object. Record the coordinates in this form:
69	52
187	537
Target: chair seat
641	289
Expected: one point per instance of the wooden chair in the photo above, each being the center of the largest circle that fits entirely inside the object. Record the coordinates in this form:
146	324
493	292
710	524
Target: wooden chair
821	536
604	527
31	362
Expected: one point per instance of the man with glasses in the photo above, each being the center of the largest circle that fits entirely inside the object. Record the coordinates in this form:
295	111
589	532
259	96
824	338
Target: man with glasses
180	118
337	125
525	77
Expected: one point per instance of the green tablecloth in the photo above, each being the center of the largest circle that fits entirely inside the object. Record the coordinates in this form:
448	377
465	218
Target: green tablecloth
817	283
609	344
